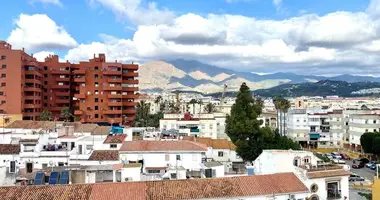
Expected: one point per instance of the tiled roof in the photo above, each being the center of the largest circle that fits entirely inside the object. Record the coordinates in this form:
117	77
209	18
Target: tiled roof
58	192
104	155
115	138
29	124
214	143
214	188
101	130
328	173
28	140
143	145
9	149
85	128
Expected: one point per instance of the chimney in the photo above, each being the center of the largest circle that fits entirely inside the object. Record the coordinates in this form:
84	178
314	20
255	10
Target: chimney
94	55
23	49
31	55
115	61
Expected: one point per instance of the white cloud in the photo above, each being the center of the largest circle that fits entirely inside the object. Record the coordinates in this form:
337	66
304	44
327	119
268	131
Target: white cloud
38	32
308	44
53	2
277	4
136	12
40	56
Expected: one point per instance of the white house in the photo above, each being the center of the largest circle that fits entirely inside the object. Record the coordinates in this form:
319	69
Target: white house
158	156
323	181
9	163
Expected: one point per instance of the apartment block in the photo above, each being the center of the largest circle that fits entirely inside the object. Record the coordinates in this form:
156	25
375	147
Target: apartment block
96	91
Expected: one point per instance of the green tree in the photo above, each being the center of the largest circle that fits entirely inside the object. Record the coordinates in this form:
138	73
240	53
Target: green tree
243	128
46	116
366	141
173	108
277	105
66	114
193	102
285	105
142	113
376	145
209	108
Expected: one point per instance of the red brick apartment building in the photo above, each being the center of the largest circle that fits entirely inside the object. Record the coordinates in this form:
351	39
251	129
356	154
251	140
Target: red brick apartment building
97	91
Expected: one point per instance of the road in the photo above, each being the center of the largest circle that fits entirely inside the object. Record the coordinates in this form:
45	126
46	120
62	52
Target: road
363	172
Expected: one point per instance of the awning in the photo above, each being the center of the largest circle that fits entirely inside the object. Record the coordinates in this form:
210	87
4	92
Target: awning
314	136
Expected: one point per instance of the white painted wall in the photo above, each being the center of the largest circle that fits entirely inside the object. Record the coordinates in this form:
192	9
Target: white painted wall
133	174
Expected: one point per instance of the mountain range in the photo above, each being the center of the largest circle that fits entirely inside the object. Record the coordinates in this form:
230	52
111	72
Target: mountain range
192	75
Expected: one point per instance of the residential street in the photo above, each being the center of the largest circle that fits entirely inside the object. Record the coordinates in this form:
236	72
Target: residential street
366	173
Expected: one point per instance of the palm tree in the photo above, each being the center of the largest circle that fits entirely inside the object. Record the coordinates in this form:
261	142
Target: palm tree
142	114
200	102
193	102
285	105
277	105
210	108
66	114
158	100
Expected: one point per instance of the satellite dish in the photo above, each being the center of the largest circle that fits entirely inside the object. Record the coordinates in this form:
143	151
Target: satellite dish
51	163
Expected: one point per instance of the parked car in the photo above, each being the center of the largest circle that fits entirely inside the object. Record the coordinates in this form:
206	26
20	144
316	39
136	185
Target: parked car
337	161
345	157
329	156
373	167
363	160
368	165
358	165
336	155
355	177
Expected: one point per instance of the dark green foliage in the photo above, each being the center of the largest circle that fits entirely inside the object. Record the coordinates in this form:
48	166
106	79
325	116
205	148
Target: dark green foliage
46	116
244	129
209	108
376	145
193	102
367	141
66	114
173	108
368	196
144	119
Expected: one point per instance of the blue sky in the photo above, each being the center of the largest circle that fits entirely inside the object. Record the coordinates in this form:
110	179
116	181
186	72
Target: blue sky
301	34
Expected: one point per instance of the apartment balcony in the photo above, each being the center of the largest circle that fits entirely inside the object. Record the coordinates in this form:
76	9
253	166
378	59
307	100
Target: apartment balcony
115	120
112	72
78	112
33	72
130	96
130	89
129	119
55	109
131	74
62	101
112	88
129	111
130	81
79	71
129	104
110	103
32	97
36	81
130	67
115	96
30	114
80	80
32	106
32	89
62	79
62	94
80	96
60	86
114	80
60	72
112	112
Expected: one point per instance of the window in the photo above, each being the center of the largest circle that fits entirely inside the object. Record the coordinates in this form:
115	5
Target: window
45	97
113	146
96	84
3	57
306	160
1	93
366	121
95	76
45	68
96	100
44	165
60	83
89	147
3	66
96	107
374	121
314	188
96	68
62	69
3	102
220	153
154	171
173	176
211	126
178	157
96	116
45	75
3	75
167	157
96	92
374	130
12	166
3	84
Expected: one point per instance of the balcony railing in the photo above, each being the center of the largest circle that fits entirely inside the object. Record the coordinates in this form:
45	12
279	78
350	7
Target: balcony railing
115	96
112	88
79	71
80	80
112	112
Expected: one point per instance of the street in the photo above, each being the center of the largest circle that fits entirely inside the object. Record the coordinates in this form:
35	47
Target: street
366	173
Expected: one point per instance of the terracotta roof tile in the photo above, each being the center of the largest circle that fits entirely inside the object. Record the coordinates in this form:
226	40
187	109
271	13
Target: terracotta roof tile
143	145
242	186
115	138
29	124
57	192
214	143
9	149
101	130
327	173
28	140
104	155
